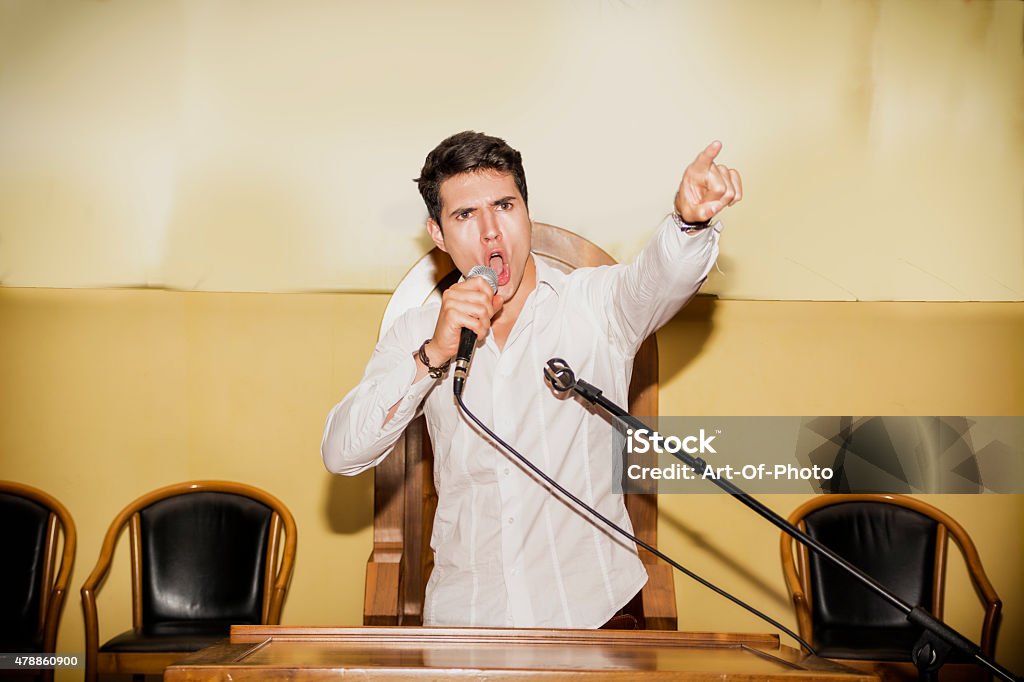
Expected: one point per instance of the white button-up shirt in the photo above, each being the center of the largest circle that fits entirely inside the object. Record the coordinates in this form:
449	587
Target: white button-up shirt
508	550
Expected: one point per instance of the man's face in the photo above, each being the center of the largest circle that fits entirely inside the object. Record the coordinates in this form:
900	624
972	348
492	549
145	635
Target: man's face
485	222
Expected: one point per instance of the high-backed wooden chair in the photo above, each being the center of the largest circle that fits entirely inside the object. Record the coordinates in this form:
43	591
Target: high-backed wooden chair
899	541
34	571
404	494
204	555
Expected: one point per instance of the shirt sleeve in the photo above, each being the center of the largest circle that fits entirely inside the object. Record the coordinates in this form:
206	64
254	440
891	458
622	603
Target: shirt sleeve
356	437
645	294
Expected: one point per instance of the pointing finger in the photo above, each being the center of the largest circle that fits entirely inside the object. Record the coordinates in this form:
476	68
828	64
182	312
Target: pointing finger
706	158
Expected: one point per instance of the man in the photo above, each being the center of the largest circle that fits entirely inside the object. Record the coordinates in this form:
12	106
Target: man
509	552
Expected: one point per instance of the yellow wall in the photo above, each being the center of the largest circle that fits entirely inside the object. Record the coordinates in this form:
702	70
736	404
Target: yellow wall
107	394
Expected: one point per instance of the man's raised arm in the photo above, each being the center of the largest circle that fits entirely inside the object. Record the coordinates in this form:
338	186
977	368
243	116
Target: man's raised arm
667	273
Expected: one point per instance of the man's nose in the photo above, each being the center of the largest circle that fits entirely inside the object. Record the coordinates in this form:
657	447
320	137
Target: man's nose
489	227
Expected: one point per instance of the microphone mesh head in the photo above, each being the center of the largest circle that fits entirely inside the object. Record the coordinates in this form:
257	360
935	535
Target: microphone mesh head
487	273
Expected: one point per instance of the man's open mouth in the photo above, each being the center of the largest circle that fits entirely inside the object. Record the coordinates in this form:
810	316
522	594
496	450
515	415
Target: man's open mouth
499	263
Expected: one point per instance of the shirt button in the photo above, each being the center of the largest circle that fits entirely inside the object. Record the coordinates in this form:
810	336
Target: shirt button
511	520
506	471
514	571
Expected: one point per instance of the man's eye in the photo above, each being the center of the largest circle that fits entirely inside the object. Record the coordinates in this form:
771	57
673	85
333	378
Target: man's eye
505	206
464	215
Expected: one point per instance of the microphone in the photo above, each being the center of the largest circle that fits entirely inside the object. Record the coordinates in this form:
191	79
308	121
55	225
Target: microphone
467	341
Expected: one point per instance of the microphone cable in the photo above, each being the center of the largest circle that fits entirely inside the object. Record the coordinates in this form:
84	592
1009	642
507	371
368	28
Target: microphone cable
611	524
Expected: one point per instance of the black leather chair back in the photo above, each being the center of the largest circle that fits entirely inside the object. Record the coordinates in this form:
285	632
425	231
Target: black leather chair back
203	562
894	545
21	573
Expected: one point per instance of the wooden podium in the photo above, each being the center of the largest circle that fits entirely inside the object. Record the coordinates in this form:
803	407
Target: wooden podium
264	652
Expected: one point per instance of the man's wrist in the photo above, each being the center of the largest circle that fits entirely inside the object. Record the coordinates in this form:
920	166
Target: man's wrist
688	227
424	354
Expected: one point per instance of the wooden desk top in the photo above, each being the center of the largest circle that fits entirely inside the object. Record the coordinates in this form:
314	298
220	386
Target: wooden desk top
256	652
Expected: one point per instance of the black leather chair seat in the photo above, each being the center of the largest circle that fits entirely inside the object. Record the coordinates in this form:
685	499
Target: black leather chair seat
171	636
871	643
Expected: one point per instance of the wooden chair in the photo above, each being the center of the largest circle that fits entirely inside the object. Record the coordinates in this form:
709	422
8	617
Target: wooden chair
204	555
901	542
404	494
35	570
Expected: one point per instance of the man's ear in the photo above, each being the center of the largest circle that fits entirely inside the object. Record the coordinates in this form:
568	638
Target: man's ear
436	234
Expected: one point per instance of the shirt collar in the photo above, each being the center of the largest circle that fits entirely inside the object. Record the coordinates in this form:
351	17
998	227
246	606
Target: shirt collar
548	275
549	278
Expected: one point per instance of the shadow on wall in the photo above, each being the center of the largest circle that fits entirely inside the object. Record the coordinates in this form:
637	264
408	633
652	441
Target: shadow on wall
694	326
348	503
696	322
737	564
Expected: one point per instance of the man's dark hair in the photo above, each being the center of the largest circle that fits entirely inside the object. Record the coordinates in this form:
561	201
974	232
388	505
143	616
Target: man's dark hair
467	152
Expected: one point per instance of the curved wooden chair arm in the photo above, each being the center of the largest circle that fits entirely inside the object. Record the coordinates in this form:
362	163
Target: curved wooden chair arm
55	603
979	578
795	587
91	587
802	607
284	571
982	585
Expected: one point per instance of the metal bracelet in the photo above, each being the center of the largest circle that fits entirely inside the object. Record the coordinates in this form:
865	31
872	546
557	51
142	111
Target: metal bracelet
435	372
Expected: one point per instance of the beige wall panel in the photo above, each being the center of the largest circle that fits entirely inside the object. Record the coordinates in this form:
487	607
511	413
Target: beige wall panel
269	146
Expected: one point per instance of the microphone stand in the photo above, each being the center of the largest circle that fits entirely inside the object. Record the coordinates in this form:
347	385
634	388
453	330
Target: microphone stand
936	640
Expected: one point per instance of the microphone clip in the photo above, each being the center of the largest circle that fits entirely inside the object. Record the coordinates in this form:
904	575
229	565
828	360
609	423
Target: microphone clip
560	375
562	379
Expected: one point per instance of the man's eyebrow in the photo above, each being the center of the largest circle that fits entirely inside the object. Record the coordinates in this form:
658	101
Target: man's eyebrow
467	209
470	209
